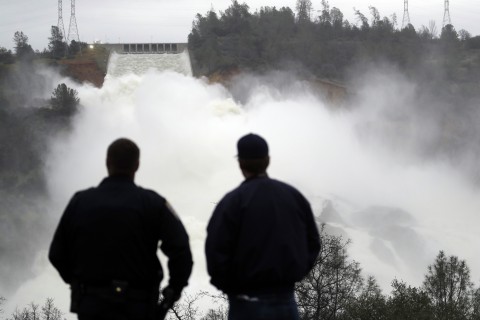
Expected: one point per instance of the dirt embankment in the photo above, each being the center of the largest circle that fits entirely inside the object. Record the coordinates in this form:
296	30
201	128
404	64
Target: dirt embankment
333	92
84	71
88	66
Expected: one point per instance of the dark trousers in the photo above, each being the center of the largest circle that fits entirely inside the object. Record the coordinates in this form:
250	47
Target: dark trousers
263	307
92	308
113	303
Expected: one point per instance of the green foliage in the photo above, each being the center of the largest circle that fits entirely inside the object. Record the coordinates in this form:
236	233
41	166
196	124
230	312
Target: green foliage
370	304
64	100
332	283
22	48
448	286
56	45
304	11
464	35
328	47
213	314
409	303
475	315
335	290
27	125
449	34
76	47
6	56
473	43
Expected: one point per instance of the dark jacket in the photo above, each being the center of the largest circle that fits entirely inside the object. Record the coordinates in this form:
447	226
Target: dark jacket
111	233
261	238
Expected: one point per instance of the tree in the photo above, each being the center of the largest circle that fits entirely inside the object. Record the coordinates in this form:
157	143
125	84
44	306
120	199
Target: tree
408	303
56	46
448	285
337	18
22	48
203	42
449	34
475	305
325	17
473	43
371	304
50	311
2	301
236	18
213	314
464	35
76	47
34	312
375	15
394	19
362	19
304	10
6	56
331	284
64	100
30	312
187	308
430	32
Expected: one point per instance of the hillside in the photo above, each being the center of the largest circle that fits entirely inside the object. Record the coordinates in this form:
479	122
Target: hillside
87	66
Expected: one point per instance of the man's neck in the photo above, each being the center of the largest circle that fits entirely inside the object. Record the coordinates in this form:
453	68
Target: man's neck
250	175
122	175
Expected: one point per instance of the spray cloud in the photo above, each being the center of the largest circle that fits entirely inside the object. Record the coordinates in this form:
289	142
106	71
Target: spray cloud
399	204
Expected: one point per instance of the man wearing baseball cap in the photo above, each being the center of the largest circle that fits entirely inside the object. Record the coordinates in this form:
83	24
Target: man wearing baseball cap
261	239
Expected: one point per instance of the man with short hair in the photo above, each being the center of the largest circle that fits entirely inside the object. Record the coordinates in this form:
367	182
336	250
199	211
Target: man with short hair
105	245
261	239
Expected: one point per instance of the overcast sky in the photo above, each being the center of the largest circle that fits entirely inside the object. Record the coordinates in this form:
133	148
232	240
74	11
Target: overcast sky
170	21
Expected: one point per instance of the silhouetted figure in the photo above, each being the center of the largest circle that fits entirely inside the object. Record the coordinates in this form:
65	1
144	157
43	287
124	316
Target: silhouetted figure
106	245
261	239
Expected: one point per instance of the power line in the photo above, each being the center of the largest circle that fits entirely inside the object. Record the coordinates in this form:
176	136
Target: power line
60	26
406	15
72	29
446	14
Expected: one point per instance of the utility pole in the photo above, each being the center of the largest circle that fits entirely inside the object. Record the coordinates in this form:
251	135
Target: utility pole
60	26
406	15
446	14
72	29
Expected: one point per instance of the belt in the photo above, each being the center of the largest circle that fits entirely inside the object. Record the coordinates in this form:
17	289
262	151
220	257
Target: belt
120	290
264	297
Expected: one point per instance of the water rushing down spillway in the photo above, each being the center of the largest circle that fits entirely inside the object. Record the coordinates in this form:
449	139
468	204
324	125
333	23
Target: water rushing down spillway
122	64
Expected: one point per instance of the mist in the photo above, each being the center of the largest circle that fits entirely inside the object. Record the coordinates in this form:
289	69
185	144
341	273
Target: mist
383	171
27	128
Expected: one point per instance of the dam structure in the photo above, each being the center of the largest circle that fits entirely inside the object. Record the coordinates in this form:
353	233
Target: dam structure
139	58
145	48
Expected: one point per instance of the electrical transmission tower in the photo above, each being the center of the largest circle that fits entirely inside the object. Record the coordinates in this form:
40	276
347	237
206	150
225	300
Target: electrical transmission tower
72	29
60	26
406	16
446	14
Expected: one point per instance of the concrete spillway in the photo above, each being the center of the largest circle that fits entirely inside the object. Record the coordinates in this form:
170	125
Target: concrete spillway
122	64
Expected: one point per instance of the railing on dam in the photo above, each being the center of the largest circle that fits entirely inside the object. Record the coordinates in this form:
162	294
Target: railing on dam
139	48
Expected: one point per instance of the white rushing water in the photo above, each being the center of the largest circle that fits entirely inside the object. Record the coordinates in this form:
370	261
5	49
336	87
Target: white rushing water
398	213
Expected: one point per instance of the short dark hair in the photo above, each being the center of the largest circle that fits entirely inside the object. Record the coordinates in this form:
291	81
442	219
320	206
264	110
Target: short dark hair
252	146
254	166
123	156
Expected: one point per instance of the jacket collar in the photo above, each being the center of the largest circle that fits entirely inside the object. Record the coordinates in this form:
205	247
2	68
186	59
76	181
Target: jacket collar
117	180
256	177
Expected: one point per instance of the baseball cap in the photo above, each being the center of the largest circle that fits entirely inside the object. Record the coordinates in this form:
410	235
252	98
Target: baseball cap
252	146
